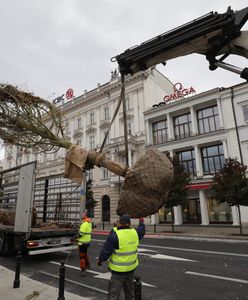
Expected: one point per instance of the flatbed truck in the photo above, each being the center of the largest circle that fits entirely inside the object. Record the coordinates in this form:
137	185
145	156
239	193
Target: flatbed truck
37	215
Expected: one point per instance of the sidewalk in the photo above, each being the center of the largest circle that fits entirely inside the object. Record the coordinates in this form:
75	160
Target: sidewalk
29	289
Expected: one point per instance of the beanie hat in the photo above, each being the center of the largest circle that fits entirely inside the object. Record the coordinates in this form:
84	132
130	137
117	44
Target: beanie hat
125	219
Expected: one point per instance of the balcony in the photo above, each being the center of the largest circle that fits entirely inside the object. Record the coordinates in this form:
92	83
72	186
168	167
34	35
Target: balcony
78	133
105	123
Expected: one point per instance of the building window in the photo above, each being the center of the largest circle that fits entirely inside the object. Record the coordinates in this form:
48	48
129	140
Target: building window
92	118
208	119
78	142
105	173
67	127
245	112
92	142
159	132
187	160
129	128
78	123
90	174
106	113
127	104
212	159
182	126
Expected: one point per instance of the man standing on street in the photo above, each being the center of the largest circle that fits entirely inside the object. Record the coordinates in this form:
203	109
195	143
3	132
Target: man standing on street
84	238
120	249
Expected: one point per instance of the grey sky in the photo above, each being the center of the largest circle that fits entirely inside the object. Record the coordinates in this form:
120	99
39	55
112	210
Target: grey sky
49	46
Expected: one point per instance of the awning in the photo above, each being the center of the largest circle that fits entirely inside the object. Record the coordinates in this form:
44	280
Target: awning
199	186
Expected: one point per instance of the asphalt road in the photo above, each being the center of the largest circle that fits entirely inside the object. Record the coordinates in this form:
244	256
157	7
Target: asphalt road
170	269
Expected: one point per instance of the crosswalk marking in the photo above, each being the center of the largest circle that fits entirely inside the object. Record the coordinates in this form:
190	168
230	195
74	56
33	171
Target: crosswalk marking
99	275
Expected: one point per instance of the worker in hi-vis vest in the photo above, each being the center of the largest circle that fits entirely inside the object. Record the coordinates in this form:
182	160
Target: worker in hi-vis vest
84	238
120	249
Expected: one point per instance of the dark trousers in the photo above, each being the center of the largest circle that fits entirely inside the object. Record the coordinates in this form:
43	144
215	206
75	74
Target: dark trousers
83	256
119	281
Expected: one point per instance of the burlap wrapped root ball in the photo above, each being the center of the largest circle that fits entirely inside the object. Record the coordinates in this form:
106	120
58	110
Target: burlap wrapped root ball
146	185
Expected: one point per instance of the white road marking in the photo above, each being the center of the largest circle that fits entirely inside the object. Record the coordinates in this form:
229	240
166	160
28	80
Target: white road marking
104	276
75	268
145	250
108	275
98	274
193	250
162	256
196	251
77	283
217	277
147	284
169	257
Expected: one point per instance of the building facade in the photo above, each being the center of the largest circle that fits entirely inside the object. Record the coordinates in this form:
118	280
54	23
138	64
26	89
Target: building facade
203	130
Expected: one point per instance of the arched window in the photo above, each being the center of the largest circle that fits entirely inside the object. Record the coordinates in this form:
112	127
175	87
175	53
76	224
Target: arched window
105	208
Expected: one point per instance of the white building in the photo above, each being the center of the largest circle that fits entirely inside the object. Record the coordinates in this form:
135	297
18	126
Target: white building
203	130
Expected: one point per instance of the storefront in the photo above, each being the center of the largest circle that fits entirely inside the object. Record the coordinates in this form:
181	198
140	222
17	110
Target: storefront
199	207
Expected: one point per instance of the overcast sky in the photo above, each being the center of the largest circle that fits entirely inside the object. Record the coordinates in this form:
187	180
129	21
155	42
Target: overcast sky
49	46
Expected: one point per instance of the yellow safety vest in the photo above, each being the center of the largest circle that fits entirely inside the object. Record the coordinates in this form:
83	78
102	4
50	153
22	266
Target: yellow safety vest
85	233
125	258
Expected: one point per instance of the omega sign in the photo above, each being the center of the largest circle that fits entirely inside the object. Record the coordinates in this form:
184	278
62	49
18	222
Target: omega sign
179	92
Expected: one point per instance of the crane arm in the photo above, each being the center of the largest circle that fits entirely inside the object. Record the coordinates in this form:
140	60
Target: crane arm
211	35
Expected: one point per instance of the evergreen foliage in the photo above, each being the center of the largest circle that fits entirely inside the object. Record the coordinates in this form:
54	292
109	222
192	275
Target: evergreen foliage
90	201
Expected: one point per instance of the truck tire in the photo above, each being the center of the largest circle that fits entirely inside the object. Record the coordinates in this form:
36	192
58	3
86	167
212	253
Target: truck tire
3	244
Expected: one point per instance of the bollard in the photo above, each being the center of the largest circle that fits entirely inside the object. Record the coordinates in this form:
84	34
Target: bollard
137	289
16	283
61	281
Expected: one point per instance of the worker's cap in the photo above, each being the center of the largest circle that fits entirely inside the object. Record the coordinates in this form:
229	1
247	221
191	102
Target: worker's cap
125	219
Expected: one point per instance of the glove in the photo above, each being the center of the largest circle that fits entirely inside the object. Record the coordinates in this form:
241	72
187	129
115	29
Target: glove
141	220
99	263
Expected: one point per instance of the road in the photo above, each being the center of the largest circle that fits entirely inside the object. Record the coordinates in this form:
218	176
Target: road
170	269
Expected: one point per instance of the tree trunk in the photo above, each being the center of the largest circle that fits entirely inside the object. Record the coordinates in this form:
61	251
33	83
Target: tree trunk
240	223
172	220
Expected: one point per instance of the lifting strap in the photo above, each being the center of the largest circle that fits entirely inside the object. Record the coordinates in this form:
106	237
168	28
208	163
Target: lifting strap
121	99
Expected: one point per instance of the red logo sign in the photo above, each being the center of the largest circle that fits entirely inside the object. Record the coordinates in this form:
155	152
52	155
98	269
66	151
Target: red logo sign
69	94
179	92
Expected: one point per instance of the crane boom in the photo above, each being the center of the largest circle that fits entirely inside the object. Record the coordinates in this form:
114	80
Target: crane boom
211	35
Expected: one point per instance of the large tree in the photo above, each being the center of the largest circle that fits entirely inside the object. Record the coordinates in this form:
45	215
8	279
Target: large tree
230	185
178	193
